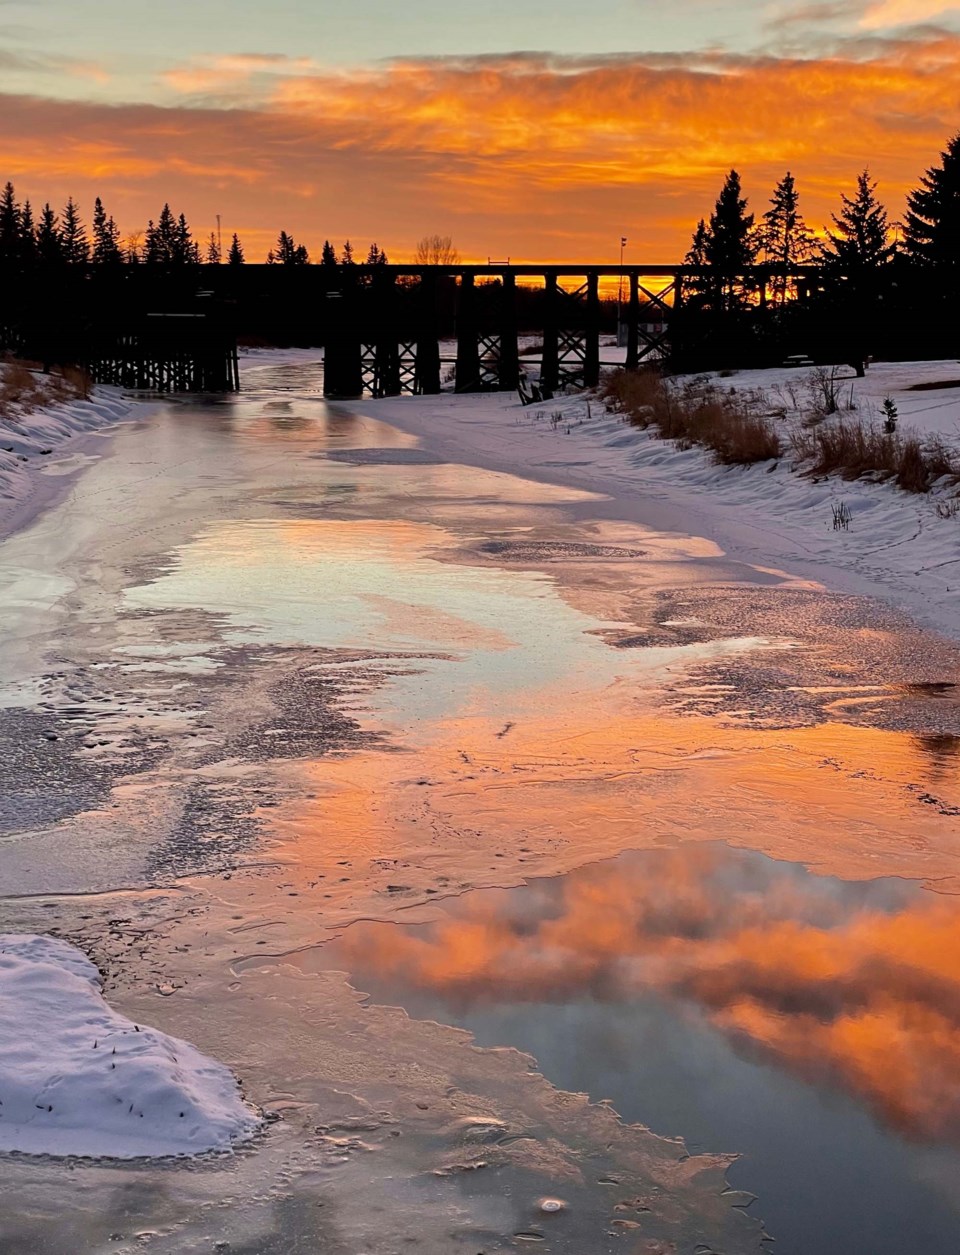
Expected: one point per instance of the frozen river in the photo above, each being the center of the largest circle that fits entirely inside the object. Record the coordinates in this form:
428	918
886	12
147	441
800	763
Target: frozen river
327	748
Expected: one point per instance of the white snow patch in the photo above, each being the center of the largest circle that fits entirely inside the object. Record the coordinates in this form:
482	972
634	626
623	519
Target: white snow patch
31	436
77	1078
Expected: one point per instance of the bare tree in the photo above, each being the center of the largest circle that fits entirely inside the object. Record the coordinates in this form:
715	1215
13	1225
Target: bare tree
436	250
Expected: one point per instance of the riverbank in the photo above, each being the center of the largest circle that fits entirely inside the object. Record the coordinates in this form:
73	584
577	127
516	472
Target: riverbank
896	547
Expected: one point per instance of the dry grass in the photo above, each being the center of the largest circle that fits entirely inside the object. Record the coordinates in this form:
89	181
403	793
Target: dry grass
852	448
23	388
696	414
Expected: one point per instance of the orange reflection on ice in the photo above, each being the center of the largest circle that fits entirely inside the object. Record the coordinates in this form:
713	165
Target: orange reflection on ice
868	996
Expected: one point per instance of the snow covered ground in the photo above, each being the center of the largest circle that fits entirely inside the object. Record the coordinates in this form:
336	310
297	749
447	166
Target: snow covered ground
76	1078
771	514
35	429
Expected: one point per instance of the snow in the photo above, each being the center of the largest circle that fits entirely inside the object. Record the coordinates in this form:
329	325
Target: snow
77	1078
33	431
772	514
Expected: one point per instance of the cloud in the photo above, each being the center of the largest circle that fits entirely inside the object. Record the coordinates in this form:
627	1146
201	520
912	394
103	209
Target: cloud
892	13
529	155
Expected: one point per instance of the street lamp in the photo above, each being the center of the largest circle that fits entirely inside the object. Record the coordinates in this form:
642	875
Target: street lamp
623	245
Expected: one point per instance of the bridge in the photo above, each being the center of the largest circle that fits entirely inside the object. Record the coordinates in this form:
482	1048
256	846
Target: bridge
383	328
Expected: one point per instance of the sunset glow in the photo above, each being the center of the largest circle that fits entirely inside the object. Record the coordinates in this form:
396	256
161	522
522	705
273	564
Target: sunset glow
522	154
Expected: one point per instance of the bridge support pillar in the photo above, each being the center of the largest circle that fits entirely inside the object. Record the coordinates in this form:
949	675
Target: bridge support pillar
426	381
509	365
633	324
342	354
386	359
550	362
468	349
591	333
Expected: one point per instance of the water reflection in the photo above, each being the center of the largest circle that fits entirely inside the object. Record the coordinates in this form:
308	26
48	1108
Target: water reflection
811	1023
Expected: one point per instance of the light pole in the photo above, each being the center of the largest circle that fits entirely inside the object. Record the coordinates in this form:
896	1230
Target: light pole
623	245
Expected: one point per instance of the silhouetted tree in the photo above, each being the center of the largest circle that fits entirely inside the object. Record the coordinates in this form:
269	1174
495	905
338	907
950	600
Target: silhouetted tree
73	236
932	225
436	250
106	238
784	236
328	255
859	244
235	257
213	250
288	252
28	235
49	244
11	252
730	244
376	256
347	255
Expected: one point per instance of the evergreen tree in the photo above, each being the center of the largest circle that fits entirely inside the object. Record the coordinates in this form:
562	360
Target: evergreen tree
932	227
235	257
289	252
376	256
185	251
10	242
106	238
73	236
697	254
213	250
785	237
161	245
347	256
859	244
49	244
328	256
28	235
730	244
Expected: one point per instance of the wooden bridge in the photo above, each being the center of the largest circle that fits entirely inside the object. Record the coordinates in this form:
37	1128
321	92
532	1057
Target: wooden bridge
382	327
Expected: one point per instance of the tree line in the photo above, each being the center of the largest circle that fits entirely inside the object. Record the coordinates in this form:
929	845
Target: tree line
53	238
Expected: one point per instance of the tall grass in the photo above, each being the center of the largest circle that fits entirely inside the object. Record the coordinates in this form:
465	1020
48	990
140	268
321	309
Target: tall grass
695	414
850	447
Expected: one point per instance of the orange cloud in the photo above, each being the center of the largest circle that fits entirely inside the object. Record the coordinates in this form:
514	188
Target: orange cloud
529	156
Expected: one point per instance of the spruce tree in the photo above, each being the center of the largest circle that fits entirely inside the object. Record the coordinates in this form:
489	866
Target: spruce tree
28	235
235	257
106	238
73	236
213	250
347	255
932	226
10	243
859	244
730	245
376	256
49	244
328	255
784	236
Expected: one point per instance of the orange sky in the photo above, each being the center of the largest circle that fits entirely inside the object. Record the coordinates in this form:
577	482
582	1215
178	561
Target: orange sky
526	155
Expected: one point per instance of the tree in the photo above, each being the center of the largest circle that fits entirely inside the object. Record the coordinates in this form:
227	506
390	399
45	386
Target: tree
288	252
49	244
235	257
730	244
436	250
73	236
106	238
784	236
10	242
328	255
376	256
859	244
133	248
347	257
28	235
214	257
932	226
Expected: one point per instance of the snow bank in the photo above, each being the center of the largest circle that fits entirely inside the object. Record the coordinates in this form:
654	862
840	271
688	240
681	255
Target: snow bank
898	546
76	1078
29	436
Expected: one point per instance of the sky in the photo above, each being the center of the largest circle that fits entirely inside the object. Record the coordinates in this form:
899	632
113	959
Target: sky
522	128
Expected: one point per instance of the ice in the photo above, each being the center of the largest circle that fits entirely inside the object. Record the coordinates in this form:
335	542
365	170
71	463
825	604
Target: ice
77	1078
